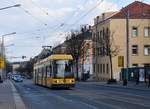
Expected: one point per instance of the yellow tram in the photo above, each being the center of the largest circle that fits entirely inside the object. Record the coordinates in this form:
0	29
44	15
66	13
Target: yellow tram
54	71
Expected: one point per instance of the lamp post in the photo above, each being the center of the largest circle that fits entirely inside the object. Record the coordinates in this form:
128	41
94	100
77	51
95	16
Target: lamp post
3	52
2	44
9	45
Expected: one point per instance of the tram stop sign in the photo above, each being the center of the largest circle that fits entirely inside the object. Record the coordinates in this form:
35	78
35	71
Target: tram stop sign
2	63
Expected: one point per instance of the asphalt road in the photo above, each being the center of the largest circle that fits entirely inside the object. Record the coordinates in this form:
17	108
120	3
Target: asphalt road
83	96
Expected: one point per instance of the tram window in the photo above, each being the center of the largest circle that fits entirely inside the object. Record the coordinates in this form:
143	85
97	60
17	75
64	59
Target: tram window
68	66
54	67
50	70
39	74
44	71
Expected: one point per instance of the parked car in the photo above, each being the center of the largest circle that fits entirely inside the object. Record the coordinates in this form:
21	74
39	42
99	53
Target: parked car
1	81
17	78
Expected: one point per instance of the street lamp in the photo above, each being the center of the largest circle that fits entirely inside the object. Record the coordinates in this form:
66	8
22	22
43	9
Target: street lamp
9	45
17	5
2	45
3	49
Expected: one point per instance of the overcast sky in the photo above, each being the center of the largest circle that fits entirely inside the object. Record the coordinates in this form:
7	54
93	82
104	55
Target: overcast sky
46	22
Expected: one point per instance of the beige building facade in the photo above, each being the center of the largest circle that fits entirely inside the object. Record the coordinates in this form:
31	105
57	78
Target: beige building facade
111	28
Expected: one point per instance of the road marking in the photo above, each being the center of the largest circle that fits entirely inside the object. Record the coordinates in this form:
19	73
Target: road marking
91	106
18	101
119	98
100	102
72	101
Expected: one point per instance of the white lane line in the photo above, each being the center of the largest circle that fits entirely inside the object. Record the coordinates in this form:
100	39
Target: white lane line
73	101
103	103
18	101
121	99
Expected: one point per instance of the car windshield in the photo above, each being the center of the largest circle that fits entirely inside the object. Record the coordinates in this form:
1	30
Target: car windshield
18	76
62	68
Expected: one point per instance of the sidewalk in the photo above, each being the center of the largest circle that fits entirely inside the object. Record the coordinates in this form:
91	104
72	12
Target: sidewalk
9	98
130	85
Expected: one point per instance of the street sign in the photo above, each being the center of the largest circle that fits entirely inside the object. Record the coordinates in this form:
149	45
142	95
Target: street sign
2	63
120	61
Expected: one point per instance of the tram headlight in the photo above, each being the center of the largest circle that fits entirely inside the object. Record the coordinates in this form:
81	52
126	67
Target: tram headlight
57	81
71	81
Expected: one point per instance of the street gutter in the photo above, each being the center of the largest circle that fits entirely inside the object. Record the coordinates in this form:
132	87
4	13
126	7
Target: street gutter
17	99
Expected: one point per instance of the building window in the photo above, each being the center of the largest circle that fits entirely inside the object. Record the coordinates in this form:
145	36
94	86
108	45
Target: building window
97	36
107	68
98	68
147	32
94	67
147	50
147	65
93	36
134	49
135	65
101	34
103	68
134	31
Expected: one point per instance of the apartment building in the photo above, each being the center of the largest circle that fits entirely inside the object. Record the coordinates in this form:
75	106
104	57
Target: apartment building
110	30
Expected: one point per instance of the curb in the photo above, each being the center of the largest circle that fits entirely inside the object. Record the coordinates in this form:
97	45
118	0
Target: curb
17	99
122	87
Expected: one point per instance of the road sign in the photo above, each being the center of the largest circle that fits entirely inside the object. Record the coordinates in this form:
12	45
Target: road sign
2	63
120	61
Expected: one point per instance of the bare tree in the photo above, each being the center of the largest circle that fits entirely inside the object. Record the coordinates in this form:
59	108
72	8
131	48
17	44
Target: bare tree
108	47
112	50
74	45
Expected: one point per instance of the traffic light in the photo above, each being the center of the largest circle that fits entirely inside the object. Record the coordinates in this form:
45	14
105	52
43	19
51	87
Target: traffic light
23	57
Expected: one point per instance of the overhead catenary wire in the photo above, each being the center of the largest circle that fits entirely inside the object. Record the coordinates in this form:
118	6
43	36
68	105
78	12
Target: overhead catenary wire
78	9
81	16
93	8
88	12
26	11
44	11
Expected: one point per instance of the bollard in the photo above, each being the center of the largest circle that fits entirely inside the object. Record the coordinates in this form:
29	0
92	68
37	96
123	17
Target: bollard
1	81
124	82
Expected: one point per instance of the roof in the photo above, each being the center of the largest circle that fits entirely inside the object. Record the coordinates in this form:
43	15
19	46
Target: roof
136	10
60	57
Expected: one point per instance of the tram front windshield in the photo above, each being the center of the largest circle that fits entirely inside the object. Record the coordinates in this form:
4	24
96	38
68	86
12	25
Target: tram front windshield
62	69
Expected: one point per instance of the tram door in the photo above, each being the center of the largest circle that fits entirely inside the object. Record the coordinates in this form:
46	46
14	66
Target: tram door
35	76
46	76
42	76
